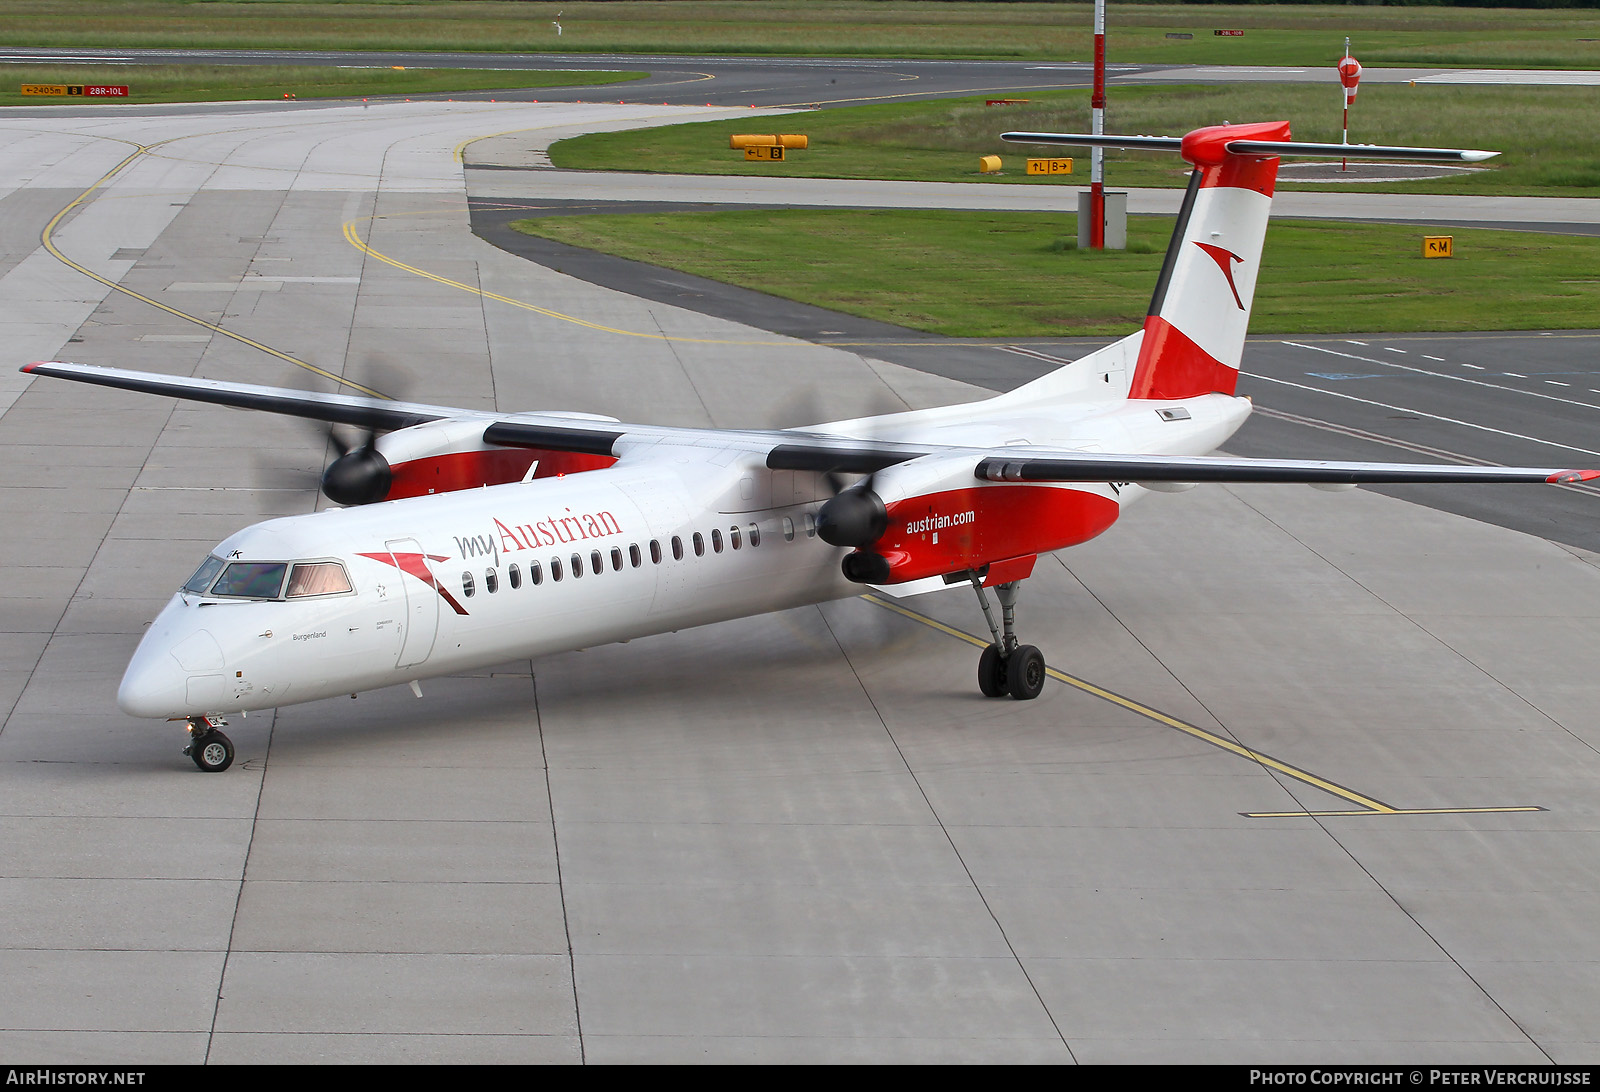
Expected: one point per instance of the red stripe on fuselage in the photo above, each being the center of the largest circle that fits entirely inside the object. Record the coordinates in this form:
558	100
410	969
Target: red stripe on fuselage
416	565
1171	365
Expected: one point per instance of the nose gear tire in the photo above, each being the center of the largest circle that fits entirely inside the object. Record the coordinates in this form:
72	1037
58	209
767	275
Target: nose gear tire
212	752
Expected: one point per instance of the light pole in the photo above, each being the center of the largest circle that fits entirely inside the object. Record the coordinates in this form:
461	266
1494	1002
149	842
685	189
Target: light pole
1097	106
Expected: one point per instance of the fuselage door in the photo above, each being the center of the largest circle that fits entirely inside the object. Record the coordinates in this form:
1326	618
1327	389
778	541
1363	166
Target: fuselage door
421	625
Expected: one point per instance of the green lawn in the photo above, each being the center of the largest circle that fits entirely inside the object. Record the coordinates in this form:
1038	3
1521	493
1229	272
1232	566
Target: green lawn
1546	135
1295	35
972	274
227	83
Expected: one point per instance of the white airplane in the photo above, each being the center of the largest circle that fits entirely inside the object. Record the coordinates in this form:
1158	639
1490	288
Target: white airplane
471	538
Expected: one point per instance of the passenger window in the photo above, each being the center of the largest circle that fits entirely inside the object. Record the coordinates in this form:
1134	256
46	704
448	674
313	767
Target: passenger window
535	573
655	552
318	578
788	529
811	525
555	570
755	535
251	579
577	566
699	545
734	538
716	540
677	548
634	557
204	575
491	581
467	586
616	559
597	564
514	577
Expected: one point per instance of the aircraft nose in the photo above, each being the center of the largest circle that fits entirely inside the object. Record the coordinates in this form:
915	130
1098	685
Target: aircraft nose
167	679
153	686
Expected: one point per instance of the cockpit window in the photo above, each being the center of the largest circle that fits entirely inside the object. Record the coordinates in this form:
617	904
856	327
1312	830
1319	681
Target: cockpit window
251	579
318	578
204	575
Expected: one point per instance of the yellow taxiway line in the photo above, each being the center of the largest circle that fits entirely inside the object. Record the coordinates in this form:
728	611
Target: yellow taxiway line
1366	805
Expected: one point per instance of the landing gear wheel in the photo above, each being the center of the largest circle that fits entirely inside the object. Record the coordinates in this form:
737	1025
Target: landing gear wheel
992	672
1024	672
212	752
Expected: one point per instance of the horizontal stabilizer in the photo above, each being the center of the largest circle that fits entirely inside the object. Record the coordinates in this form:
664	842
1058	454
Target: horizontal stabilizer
1297	148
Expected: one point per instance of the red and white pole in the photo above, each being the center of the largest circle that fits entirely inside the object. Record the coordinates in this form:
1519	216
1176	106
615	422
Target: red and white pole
1097	106
1350	77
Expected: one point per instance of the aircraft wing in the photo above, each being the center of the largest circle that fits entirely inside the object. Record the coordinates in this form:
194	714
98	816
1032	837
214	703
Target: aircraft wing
791	449
343	409
1022	464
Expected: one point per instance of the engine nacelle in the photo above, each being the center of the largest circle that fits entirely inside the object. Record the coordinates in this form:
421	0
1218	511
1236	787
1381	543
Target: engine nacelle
942	519
445	456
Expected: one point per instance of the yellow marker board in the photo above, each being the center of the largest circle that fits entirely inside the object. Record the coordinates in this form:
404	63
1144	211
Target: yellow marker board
1049	166
761	151
1438	246
787	140
44	89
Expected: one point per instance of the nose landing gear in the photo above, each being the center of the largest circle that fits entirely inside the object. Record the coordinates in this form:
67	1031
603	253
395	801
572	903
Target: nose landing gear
1007	667
211	750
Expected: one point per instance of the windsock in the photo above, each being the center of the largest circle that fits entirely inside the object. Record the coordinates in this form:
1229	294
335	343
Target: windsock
1350	76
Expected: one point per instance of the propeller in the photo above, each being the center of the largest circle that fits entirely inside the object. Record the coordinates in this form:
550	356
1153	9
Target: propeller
360	475
856	517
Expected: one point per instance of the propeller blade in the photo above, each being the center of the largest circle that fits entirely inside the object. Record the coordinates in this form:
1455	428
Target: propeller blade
360	474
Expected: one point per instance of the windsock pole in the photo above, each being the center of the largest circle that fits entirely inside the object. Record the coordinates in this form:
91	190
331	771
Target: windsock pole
1349	78
1344	164
1097	105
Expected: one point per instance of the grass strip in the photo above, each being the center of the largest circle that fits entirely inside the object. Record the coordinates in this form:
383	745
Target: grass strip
229	83
1273	34
1543	133
981	274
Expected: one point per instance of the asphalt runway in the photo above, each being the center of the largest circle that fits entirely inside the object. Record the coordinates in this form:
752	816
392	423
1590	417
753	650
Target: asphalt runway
1315	781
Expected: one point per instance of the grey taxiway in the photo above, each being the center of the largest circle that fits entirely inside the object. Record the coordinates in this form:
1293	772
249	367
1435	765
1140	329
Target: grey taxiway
1317	778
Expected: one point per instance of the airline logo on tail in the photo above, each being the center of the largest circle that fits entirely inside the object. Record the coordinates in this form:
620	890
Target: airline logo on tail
1222	256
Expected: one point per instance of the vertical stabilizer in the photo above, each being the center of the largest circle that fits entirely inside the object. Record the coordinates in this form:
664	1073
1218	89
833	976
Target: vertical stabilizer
1193	336
1194	333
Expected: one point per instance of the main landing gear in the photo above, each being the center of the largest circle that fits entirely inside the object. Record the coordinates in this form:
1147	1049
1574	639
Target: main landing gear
211	750
1005	666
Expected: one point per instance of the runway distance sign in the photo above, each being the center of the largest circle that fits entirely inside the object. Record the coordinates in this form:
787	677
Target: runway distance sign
87	90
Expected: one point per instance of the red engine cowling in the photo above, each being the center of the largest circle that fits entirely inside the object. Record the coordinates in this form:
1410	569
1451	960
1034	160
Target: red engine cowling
942	520
444	456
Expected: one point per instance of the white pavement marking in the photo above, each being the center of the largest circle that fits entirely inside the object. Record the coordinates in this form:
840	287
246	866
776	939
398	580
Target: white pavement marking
1510	76
1443	375
1423	413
